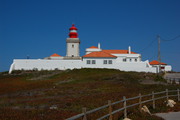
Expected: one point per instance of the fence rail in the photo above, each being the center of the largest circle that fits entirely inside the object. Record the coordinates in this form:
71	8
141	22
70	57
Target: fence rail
140	97
173	80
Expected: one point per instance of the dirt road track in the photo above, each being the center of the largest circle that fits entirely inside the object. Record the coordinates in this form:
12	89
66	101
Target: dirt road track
169	116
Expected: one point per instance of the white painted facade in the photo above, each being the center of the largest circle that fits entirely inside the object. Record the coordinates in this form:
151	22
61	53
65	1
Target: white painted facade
128	57
124	60
132	63
95	49
44	64
163	67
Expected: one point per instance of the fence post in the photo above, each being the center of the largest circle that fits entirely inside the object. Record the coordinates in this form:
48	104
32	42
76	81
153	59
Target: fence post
110	109
178	94
84	111
171	81
140	99
167	96
124	104
153	100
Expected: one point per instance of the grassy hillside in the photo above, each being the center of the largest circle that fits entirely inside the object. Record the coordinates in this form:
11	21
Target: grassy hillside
30	94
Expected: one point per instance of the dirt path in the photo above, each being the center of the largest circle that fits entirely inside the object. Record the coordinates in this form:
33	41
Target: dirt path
172	75
169	116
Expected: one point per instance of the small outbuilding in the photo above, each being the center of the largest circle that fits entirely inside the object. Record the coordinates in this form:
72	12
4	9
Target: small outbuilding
163	66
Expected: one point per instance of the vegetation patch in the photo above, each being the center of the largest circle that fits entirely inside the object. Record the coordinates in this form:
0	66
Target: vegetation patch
32	94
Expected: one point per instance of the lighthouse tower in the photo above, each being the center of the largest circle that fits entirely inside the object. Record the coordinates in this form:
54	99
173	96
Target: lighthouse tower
72	44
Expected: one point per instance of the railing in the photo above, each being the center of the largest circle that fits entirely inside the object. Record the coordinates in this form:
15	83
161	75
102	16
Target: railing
172	80
154	96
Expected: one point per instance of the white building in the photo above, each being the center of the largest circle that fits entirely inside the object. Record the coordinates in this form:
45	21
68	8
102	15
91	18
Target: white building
95	57
160	66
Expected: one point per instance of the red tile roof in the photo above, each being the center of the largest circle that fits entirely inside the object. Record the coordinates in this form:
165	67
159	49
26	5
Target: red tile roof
155	62
118	51
99	54
93	47
55	55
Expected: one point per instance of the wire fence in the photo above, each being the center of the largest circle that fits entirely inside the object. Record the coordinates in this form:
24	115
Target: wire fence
140	99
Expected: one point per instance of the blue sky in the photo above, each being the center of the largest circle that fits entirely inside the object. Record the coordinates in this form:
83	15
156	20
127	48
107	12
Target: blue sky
39	28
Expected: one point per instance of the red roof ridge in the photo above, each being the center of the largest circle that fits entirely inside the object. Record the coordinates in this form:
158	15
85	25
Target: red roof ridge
93	47
155	62
55	55
99	54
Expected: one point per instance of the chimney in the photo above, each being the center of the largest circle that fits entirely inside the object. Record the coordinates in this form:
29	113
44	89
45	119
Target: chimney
99	46
129	50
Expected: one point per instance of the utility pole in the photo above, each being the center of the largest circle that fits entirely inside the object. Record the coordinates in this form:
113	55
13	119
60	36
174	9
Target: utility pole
159	53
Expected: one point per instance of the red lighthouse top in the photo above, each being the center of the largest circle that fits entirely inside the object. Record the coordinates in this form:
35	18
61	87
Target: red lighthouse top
73	27
73	32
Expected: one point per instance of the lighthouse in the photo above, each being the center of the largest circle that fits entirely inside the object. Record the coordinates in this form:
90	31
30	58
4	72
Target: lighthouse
72	44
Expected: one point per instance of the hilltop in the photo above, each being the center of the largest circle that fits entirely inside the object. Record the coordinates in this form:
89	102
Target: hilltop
61	94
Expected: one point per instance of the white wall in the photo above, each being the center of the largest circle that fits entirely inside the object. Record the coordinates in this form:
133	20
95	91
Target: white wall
120	57
43	64
89	50
125	66
99	63
168	68
135	66
55	58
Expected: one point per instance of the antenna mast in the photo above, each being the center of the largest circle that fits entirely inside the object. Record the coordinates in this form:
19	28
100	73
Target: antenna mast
159	53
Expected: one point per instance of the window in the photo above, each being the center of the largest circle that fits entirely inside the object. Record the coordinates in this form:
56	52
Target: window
110	61
124	60
72	46
135	60
72	55
88	62
162	67
93	62
130	60
105	62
